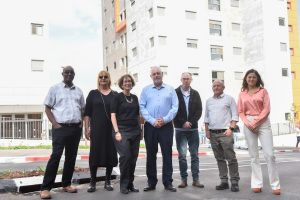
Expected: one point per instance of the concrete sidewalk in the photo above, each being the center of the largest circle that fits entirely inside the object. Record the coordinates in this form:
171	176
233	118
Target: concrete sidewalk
35	155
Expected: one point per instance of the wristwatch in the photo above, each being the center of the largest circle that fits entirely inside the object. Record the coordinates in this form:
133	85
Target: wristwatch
231	128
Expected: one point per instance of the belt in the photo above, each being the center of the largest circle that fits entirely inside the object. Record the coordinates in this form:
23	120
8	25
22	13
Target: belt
70	124
217	131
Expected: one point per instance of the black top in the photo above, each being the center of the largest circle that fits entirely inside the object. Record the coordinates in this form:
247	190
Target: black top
127	109
102	148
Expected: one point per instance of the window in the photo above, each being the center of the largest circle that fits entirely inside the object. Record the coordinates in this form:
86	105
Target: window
150	11
289	5
193	70
105	10
236	26
287	116
134	52
106	50
136	77
161	11
238	75
281	21
284	72
151	40
105	29
191	43
214	4
122	62
190	15
162	40
37	29
293	75
113	23
115	65
235	3
237	51
37	65
164	69
283	46
122	39
114	44
292	51
133	26
216	53
217	75
215	28
122	15
132	2
290	28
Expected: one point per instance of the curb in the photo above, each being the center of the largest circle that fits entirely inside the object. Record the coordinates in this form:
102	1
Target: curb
27	159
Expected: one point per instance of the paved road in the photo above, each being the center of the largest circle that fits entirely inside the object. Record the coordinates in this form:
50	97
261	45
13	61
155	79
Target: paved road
288	165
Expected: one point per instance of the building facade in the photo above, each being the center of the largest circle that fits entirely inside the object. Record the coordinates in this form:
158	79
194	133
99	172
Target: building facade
295	55
212	39
23	63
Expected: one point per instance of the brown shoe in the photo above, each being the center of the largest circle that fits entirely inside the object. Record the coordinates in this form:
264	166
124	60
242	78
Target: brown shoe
45	194
276	192
70	189
256	190
183	184
198	184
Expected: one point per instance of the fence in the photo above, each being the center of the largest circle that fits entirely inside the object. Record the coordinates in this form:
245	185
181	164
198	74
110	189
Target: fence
38	129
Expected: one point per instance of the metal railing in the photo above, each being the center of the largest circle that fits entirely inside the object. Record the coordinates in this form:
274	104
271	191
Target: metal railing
38	129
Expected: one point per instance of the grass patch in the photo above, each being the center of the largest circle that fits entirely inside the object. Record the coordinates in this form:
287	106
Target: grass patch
9	174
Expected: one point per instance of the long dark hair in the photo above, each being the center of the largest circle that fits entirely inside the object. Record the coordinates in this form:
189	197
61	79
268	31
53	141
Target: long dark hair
259	82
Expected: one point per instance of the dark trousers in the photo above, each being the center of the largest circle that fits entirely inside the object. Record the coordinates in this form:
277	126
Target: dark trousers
62	138
298	140
128	149
93	171
223	150
163	136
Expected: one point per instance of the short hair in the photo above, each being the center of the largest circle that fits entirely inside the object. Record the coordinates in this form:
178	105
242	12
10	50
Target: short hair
103	73
188	73
218	81
154	67
121	80
259	82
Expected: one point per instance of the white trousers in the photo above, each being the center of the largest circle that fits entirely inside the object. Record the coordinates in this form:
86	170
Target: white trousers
266	139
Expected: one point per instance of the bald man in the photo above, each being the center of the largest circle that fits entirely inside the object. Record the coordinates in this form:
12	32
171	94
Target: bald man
64	106
220	120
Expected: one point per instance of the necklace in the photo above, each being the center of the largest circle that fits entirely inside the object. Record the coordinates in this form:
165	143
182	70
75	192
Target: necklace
130	100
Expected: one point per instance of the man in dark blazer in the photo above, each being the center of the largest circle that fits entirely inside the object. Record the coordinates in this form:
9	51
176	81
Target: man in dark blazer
186	128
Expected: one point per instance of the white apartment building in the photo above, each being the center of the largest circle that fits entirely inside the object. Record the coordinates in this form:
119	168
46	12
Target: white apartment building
23	63
212	39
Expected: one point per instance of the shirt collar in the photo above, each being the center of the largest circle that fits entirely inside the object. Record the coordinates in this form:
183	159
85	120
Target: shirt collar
220	96
162	86
186	92
65	86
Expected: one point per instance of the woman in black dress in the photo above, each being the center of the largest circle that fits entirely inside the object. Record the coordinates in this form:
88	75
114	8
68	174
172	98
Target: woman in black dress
127	132
98	129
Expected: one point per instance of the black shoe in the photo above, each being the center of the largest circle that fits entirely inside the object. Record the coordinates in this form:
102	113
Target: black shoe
108	186
170	188
133	189
124	191
222	186
92	187
149	188
235	187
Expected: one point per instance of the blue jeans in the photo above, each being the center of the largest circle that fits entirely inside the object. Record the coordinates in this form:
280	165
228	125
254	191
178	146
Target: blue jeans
191	138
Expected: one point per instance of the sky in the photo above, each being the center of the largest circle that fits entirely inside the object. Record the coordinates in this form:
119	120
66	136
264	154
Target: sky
76	39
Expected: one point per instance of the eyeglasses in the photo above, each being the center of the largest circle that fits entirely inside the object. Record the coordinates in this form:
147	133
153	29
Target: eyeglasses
68	72
103	77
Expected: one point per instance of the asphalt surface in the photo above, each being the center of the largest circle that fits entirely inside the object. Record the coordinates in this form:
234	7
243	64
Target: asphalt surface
288	166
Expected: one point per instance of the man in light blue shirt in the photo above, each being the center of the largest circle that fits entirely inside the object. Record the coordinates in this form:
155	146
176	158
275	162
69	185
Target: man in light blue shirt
158	106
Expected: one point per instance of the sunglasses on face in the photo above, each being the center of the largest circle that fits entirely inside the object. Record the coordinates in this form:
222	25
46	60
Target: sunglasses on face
103	77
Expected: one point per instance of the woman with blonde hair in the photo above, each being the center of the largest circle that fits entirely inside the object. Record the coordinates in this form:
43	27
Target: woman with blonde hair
254	110
98	129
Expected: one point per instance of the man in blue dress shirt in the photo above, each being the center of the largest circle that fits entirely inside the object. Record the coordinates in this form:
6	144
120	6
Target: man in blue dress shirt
158	106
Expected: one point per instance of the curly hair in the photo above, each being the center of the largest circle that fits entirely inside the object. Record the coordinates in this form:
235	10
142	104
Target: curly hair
121	80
